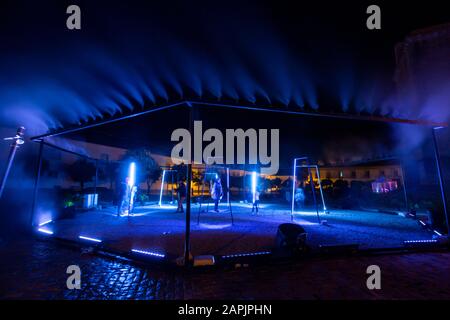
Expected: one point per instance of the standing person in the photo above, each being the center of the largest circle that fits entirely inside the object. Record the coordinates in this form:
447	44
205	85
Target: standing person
181	195
122	195
256	202
217	193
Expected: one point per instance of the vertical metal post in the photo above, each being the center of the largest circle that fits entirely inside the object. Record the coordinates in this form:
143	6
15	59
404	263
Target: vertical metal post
95	183
405	194
12	153
228	185
187	240
162	188
36	182
320	188
294	177
311	182
171	185
441	179
228	196
17	141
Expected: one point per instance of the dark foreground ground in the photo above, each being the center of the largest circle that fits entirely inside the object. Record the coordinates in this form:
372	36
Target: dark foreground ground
37	270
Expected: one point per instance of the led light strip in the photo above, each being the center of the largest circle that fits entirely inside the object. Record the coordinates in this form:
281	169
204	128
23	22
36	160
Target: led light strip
89	239
45	222
154	254
247	254
45	231
420	241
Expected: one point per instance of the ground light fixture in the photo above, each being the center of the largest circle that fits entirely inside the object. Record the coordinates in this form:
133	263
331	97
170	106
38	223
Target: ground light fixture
46	231
17	141
254	181
148	253
45	222
420	243
262	253
162	187
89	239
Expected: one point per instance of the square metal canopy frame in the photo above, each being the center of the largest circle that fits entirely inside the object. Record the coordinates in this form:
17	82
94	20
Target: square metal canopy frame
192	104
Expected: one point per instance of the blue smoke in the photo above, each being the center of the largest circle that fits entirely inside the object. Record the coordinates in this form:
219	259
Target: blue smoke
129	59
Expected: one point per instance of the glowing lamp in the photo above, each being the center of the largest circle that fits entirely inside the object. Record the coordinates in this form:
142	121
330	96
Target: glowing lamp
132	174
162	187
254	186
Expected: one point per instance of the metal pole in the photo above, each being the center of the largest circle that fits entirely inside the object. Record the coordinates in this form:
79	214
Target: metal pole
12	153
311	182
441	179
320	188
36	182
17	141
293	190
171	185
405	194
228	196
187	240
228	185
95	183
162	188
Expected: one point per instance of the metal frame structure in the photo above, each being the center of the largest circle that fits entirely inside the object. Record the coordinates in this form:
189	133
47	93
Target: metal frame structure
193	105
203	189
311	182
17	141
42	144
162	184
440	176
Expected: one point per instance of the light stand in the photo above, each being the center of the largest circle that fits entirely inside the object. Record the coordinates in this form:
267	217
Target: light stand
17	140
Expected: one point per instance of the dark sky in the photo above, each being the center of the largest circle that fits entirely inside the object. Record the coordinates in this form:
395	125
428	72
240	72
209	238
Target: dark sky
132	55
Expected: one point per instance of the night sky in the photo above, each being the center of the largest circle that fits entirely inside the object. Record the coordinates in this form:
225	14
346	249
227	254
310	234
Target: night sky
314	56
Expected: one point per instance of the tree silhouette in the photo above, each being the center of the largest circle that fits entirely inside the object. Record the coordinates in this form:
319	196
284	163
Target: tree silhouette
147	169
81	171
108	172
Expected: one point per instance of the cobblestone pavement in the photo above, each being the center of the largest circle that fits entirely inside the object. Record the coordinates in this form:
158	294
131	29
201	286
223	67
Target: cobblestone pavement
37	270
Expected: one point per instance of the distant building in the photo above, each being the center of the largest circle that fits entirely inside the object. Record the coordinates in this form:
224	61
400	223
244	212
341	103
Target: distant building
423	63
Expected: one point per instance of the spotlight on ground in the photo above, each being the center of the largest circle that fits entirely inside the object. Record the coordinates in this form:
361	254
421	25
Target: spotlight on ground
203	261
